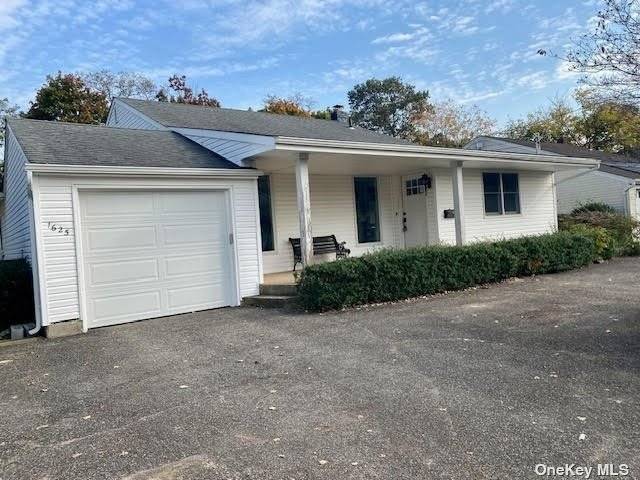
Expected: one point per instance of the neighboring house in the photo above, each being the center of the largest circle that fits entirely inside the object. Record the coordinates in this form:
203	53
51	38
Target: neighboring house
615	182
175	208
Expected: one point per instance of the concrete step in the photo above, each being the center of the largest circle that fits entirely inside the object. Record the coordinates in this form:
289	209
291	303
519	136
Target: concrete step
269	301
278	289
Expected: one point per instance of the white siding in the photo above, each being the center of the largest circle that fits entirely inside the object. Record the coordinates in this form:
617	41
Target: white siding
16	242
332	212
496	145
59	252
124	116
574	189
536	200
233	150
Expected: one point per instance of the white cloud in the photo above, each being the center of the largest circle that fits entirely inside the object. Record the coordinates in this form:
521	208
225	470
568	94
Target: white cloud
394	38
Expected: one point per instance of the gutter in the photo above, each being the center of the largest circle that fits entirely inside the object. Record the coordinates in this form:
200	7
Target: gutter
117	171
400	150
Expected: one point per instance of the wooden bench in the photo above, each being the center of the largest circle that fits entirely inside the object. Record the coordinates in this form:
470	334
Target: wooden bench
325	244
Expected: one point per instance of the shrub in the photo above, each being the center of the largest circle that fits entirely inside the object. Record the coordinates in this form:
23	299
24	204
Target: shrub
16	293
623	229
593	207
397	274
605	245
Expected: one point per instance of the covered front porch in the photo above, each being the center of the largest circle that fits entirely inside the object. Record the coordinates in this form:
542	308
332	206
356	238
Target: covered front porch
372	198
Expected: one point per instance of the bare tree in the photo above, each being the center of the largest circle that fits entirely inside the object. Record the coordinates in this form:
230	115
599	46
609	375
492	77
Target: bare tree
184	93
609	56
6	110
120	84
449	124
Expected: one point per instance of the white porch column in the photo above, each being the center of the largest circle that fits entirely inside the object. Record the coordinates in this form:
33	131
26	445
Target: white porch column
304	208
458	201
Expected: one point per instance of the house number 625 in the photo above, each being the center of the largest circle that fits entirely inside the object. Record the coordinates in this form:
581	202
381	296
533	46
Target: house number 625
54	227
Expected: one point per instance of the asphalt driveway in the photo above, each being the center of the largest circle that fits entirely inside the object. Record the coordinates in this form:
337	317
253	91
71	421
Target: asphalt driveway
478	384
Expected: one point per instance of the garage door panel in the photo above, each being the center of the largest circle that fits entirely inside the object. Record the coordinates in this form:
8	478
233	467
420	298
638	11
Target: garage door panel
188	203
182	235
194	264
120	238
108	273
209	295
117	204
126	307
154	253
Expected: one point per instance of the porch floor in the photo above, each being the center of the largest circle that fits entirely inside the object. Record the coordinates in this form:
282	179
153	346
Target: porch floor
279	278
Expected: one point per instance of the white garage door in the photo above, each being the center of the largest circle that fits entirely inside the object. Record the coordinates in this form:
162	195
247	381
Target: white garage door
154	253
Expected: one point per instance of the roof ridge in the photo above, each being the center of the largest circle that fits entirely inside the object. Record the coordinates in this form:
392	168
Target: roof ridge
78	124
258	112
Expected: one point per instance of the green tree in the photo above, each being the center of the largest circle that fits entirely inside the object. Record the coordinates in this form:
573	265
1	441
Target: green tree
6	110
449	124
66	98
557	123
609	126
388	106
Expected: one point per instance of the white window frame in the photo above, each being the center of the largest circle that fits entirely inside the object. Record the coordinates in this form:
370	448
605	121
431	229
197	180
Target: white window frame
502	211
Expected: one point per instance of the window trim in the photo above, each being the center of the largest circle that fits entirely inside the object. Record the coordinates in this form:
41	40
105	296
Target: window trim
380	240
273	217
502	213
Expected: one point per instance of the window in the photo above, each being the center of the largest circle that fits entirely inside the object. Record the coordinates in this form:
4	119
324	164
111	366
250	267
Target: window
414	187
366	192
266	217
501	193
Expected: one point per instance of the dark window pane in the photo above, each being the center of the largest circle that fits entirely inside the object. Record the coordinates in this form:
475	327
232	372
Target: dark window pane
366	193
510	182
266	219
491	182
511	203
492	203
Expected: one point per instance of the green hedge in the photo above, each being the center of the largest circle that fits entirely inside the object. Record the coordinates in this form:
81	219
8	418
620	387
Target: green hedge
16	293
397	274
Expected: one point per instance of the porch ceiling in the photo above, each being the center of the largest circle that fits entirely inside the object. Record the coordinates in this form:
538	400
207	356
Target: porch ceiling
322	163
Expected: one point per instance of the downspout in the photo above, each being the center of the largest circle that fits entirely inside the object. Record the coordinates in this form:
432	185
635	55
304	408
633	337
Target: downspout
34	258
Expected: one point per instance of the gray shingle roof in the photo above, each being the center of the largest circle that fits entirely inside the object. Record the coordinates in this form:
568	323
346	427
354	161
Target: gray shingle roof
77	144
256	123
614	163
629	170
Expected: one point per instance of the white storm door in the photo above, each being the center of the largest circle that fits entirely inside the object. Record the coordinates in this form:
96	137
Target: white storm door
415	212
153	253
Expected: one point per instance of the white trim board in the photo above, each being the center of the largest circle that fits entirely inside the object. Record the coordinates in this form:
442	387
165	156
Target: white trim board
142	171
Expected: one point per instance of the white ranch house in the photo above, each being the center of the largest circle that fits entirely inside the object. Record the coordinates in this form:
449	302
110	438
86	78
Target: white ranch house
174	208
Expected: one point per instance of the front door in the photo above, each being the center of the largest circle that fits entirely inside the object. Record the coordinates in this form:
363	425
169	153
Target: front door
415	212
